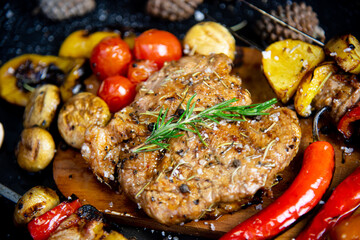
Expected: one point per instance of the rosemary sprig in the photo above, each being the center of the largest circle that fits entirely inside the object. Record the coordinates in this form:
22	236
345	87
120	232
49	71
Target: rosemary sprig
164	129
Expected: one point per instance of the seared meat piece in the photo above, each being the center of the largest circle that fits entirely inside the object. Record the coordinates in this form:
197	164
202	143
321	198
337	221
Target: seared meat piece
208	76
86	223
340	92
188	179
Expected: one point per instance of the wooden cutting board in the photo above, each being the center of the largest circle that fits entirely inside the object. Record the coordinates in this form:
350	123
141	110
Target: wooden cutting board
72	176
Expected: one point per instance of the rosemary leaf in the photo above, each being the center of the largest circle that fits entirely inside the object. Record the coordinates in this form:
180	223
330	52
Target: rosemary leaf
189	121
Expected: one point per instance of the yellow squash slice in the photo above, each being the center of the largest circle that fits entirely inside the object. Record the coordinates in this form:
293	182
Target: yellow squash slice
22	74
79	44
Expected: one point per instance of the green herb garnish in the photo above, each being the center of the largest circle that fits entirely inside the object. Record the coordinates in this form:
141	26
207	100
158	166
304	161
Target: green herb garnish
166	129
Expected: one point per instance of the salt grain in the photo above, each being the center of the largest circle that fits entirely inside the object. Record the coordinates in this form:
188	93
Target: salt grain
266	54
347	150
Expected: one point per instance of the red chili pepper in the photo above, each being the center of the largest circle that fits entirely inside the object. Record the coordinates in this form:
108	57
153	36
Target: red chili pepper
41	227
344	200
303	194
344	125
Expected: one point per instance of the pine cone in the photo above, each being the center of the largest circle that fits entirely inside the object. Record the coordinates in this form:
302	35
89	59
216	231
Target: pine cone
299	16
63	9
173	10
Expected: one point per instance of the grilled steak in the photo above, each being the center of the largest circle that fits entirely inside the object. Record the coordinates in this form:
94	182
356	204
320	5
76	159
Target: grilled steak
189	179
340	92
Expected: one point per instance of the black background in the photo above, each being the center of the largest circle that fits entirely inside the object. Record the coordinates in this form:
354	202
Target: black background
24	29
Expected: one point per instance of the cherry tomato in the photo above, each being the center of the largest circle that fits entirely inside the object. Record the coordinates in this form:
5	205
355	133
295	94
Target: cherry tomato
159	46
140	70
110	57
117	92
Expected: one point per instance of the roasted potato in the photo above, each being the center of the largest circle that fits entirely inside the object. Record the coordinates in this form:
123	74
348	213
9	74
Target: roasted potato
35	150
80	112
1	134
310	85
346	52
20	75
209	37
41	108
34	203
286	62
79	44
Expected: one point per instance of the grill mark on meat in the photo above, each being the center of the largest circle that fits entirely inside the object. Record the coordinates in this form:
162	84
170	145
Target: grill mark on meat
185	181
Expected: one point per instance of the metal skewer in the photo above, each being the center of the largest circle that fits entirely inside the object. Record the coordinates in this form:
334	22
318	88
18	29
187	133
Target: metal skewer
276	19
283	23
9	194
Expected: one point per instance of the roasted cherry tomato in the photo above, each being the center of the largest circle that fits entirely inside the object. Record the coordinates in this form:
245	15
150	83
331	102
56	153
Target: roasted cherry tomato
159	46
304	193
117	92
41	227
110	57
140	70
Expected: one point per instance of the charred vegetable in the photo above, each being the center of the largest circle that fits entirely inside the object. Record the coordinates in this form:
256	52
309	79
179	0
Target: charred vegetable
34	203
42	106
19	76
210	37
80	44
80	112
35	150
41	227
286	62
311	85
346	52
85	221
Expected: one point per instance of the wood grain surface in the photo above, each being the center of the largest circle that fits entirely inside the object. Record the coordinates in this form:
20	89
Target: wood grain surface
72	176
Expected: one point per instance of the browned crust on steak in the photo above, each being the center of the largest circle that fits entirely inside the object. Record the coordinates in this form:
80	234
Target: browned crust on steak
189	178
240	159
170	88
